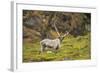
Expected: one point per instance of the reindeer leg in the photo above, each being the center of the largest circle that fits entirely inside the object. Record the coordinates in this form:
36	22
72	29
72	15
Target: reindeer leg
56	49
42	48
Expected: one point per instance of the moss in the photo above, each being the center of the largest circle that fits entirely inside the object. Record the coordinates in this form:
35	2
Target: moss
72	48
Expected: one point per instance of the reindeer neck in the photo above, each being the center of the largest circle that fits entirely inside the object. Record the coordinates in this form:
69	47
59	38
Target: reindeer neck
61	38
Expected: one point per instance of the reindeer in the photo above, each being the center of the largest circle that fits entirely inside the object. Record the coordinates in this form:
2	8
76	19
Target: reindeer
53	44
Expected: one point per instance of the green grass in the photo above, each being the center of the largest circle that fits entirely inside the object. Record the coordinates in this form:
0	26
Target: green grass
72	48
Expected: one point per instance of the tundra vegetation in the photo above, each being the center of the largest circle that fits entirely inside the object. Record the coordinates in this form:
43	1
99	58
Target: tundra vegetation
40	25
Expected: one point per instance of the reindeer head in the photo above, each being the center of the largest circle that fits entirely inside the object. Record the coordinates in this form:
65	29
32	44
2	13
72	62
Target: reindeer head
63	36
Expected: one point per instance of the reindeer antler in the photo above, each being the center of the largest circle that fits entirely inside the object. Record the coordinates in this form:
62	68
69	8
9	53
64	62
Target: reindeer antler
55	26
56	30
66	33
